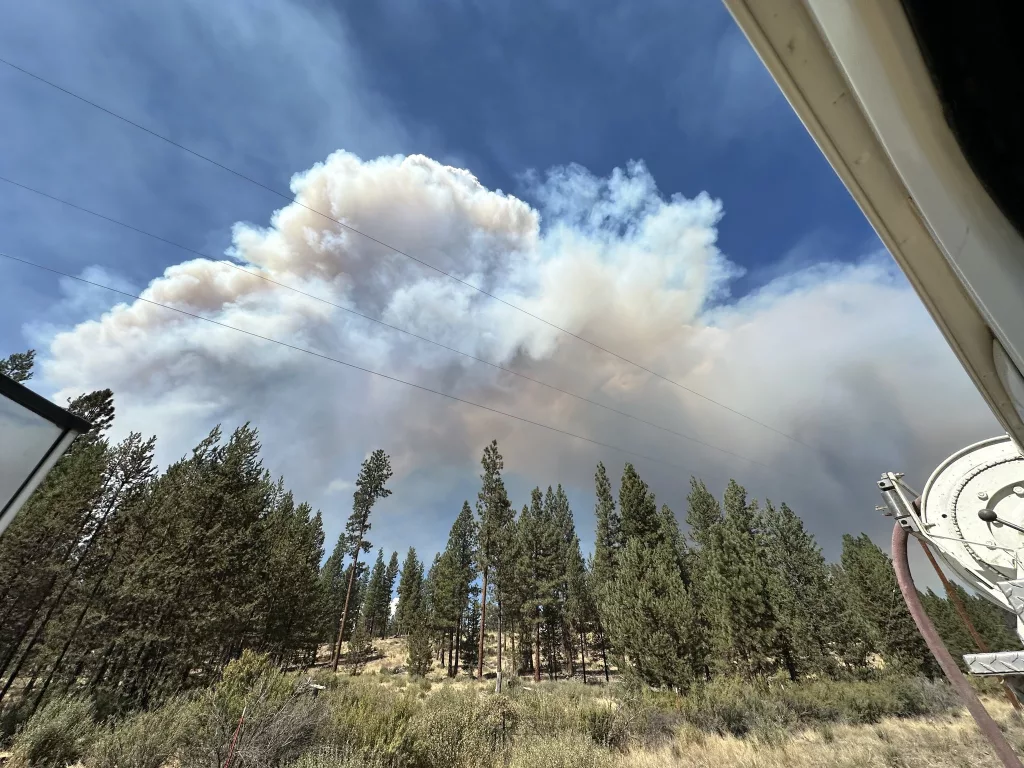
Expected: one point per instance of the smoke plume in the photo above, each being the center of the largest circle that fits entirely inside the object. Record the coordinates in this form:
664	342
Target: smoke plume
840	356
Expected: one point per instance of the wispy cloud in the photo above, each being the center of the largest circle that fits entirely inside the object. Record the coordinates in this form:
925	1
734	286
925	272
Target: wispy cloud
338	486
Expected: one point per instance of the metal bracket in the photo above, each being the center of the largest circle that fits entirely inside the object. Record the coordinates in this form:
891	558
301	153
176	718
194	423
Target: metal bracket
899	501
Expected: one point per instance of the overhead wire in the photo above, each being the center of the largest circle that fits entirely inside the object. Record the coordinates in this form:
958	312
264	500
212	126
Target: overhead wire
345	363
294	200
385	324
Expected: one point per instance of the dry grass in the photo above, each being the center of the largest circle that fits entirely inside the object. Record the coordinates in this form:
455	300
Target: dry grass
940	742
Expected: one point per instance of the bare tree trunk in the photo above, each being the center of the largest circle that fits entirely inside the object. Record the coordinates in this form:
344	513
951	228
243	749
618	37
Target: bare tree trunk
536	663
497	684
458	643
348	595
583	655
483	625
604	652
451	652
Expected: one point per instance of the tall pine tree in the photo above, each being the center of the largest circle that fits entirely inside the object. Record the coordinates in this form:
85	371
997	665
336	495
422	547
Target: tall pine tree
371	485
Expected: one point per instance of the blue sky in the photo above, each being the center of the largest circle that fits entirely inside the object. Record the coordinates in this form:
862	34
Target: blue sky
502	89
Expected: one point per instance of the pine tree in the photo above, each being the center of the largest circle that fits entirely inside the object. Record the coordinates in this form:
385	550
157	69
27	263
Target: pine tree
19	365
332	591
607	546
652	618
360	649
638	511
539	570
799	591
471	633
410	593
421	655
876	599
456	575
494	542
743	624
580	610
851	636
376	597
370	487
704	517
390	582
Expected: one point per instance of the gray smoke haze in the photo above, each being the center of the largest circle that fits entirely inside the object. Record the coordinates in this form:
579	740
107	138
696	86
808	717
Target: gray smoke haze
840	355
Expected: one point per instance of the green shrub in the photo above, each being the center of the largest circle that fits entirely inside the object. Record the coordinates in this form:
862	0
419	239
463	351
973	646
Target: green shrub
735	707
732	706
572	708
369	720
146	739
566	751
334	757
60	733
458	728
281	718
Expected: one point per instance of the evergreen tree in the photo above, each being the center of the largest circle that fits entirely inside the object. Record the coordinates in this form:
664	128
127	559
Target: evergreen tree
421	655
375	603
875	594
580	610
608	540
494	541
18	366
332	591
360	649
704	514
851	635
607	546
743	624
638	511
457	570
471	633
390	582
704	517
410	593
370	487
652	617
539	570
799	591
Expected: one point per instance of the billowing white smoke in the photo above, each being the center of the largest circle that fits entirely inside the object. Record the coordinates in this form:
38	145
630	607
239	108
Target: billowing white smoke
840	356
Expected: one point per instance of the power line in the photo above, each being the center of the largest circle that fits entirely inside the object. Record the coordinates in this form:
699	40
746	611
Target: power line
344	363
383	323
395	250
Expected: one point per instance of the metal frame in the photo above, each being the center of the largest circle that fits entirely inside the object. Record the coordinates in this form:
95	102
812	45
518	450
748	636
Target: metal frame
70	426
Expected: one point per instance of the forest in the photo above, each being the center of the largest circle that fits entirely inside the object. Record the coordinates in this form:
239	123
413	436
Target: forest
128	585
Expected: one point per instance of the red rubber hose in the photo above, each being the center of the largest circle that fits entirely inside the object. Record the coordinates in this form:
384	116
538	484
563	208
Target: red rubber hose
986	724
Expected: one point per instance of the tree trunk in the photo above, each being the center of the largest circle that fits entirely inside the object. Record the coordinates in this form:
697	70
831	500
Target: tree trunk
512	651
570	649
583	655
458	644
604	658
536	663
497	684
451	652
483	624
348	595
551	654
